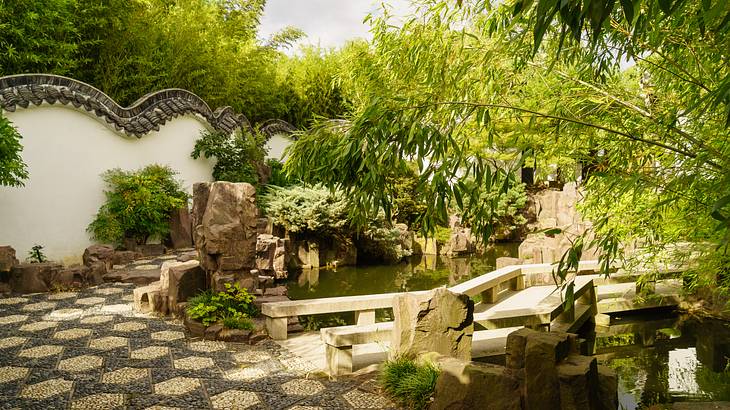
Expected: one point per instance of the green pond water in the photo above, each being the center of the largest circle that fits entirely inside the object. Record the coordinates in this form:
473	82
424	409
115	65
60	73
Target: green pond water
659	356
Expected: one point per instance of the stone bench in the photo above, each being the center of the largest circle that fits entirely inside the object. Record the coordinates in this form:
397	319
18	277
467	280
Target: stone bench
339	343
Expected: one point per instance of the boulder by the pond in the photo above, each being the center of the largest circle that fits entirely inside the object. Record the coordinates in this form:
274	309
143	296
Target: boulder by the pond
544	371
225	235
438	321
473	385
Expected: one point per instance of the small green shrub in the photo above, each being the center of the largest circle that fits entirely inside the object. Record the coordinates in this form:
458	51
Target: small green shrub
36	255
138	205
410	384
236	155
235	303
313	210
241	323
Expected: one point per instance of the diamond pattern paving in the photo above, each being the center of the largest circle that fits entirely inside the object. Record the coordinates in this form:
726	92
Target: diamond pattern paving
46	389
80	363
88	350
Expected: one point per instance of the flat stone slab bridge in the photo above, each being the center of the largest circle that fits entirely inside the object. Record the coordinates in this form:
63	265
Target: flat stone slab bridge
511	297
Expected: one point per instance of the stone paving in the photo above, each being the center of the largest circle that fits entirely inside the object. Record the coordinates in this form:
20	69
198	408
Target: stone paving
90	350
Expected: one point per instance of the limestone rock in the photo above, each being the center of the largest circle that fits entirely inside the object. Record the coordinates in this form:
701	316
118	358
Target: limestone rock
181	227
438	321
578	378
473	385
184	281
99	253
148	299
607	388
461	243
507	261
35	277
271	255
7	258
201	191
226	218
543	350
234	335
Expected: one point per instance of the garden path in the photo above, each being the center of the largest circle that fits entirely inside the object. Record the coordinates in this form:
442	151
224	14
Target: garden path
89	349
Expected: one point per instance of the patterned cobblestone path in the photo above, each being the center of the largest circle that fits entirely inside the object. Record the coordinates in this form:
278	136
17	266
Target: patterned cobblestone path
89	350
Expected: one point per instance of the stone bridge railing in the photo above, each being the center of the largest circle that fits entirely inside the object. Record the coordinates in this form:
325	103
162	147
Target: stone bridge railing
488	286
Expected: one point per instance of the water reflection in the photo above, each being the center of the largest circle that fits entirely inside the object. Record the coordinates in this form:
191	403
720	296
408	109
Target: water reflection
417	273
666	358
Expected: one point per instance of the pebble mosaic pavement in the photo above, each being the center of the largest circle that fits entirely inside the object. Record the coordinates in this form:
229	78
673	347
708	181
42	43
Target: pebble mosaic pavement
90	350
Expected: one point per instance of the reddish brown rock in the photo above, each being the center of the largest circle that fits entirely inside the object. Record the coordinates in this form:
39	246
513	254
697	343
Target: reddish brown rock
7	258
35	277
181	228
234	335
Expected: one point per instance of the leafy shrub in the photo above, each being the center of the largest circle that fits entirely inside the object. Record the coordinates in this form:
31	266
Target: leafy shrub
236	155
36	255
233	322
409	383
138	205
12	167
311	210
380	243
233	304
278	176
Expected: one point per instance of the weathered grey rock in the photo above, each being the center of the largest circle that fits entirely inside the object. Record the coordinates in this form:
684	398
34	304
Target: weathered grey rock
543	350
78	275
271	252
181	227
607	388
438	321
99	253
151	249
184	281
515	348
212	331
508	261
461	243
276	291
473	385
196	328
578	378
35	277
201	191
7	258
226	234
234	335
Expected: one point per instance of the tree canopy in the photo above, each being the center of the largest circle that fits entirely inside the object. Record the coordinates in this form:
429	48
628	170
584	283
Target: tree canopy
638	90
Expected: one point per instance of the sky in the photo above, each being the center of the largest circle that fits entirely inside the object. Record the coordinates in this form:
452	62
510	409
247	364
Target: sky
328	23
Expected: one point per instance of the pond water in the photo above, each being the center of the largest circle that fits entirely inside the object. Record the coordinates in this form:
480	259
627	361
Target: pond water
659	356
417	273
663	357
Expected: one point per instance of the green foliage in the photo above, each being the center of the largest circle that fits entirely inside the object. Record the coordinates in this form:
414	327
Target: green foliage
236	155
473	91
237	322
36	255
12	167
138	204
278	176
411	384
233	305
306	210
381	243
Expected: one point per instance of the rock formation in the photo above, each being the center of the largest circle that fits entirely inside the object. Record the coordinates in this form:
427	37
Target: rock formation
225	233
438	321
543	371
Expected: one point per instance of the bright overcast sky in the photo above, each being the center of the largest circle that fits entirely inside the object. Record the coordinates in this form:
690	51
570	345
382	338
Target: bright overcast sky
329	23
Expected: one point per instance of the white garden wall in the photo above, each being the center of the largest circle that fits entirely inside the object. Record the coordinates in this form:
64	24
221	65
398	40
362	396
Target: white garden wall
66	150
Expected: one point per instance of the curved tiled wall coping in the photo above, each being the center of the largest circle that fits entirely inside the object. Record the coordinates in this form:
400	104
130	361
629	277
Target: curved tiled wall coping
144	115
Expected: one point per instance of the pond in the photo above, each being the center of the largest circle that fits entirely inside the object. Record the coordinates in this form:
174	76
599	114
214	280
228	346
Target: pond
417	273
663	357
659	356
